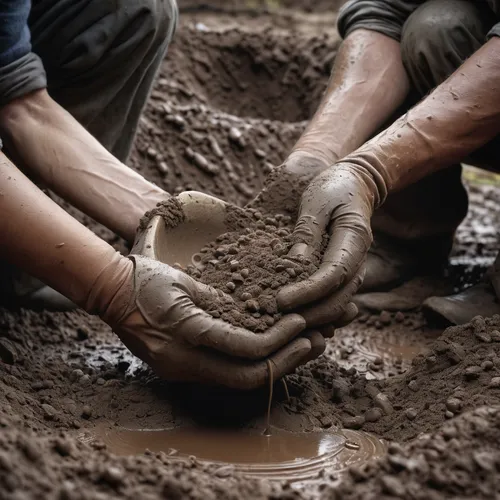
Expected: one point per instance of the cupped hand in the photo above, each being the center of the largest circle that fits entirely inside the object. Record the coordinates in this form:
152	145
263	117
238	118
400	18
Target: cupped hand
339	202
167	328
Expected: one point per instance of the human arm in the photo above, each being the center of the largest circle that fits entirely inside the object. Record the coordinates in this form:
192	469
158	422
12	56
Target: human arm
458	117
153	308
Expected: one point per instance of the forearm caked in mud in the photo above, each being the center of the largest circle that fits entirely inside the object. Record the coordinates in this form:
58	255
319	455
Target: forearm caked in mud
458	117
356	103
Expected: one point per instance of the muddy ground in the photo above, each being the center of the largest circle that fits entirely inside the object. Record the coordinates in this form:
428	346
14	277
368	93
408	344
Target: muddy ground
236	89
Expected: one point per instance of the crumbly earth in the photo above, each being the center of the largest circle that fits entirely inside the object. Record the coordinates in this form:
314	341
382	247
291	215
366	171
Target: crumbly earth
435	395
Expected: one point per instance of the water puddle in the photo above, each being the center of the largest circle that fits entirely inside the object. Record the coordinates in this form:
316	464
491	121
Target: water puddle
281	456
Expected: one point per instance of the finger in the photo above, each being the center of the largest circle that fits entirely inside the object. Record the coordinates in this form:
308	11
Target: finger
214	368
350	313
331	309
199	328
318	345
346	251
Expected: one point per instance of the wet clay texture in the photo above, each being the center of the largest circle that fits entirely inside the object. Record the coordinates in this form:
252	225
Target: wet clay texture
251	265
434	395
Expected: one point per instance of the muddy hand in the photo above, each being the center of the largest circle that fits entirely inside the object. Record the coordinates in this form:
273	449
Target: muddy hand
340	202
165	326
284	186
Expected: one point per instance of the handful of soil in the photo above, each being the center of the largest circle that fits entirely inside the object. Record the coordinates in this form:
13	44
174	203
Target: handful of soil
249	263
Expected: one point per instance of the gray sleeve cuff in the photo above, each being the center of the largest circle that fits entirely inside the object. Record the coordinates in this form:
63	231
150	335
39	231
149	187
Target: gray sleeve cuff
495	31
384	16
21	77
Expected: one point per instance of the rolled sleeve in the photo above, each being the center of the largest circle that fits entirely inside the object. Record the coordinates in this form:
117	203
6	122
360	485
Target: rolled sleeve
383	16
21	71
495	31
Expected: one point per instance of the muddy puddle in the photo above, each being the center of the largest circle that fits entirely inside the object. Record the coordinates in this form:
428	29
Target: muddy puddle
282	455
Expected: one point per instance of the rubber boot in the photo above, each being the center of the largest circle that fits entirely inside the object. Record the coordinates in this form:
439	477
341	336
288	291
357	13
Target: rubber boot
479	300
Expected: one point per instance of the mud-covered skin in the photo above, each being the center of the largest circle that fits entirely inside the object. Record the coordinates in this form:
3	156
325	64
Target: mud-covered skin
164	327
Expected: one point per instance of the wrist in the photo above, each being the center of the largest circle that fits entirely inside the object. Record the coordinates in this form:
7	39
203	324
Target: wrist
111	292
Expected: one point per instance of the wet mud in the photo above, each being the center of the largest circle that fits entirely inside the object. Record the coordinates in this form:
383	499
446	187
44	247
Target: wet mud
234	93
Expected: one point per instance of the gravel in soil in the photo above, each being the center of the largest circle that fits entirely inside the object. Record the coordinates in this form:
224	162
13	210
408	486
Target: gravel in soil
436	396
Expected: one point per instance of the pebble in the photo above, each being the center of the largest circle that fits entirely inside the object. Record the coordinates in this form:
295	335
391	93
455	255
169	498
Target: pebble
245	296
382	401
393	486
411	413
216	149
399	317
203	164
373	415
113	475
49	412
454	405
472	372
63	447
236	136
86	411
448	414
237	278
252	305
163	168
245	273
494	382
487	365
385	318
85	380
483	336
234	265
495	336
231	286
353	422
75	375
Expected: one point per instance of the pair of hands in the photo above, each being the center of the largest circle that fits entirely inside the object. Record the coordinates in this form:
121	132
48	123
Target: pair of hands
167	328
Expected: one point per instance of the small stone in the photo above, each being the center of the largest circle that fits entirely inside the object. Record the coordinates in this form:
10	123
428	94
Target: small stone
494	382
100	381
82	333
393	486
373	415
355	422
234	265
340	390
75	375
399	317
63	447
245	273
472	372
231	286
252	305
487	365
411	413
495	336
378	325
245	296
113	475
382	401
163	168
448	414
85	380
49	412
259	153
385	318
483	336
237	278
86	412
454	405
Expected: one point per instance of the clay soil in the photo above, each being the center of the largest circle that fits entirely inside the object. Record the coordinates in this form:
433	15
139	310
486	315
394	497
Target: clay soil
232	96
